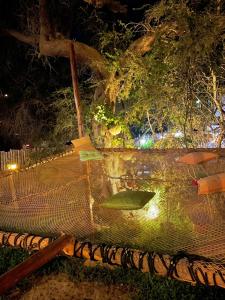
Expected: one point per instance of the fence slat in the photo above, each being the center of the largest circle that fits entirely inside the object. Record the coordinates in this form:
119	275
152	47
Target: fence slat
13	156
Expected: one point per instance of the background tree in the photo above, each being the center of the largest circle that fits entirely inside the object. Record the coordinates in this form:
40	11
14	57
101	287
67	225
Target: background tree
178	85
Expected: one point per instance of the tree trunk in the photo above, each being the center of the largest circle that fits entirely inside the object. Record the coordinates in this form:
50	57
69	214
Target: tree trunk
219	108
150	126
76	94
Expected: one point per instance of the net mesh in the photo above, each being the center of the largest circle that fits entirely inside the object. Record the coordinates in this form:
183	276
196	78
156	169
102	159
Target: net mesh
65	195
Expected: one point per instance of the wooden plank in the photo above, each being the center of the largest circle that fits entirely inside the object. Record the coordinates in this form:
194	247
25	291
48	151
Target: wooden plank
34	262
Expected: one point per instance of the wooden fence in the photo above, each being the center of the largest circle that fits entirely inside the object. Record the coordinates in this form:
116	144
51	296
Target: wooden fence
13	156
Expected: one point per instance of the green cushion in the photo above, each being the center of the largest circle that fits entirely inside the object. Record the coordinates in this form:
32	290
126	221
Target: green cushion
128	200
90	155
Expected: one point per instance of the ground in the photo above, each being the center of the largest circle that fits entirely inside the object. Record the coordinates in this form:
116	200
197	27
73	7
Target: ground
60	286
70	278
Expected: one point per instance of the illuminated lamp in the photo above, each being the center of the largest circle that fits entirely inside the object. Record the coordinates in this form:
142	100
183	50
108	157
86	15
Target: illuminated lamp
12	166
153	211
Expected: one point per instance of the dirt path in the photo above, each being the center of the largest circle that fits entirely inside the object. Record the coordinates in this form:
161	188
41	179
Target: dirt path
61	287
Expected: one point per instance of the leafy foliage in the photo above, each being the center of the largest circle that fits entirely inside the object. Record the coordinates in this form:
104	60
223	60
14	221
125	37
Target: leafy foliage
63	107
173	82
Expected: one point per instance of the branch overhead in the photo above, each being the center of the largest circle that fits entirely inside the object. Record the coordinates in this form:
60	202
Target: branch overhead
142	45
30	40
113	5
85	54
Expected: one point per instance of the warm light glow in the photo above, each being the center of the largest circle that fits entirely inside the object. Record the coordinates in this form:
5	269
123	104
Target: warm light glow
6	95
178	134
143	140
12	167
153	211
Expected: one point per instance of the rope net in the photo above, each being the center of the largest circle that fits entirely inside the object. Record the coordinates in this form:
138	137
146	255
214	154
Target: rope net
65	195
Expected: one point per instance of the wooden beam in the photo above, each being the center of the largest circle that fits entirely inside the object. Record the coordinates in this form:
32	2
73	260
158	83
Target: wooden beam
34	262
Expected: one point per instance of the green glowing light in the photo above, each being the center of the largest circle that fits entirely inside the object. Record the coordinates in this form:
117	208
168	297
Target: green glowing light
153	211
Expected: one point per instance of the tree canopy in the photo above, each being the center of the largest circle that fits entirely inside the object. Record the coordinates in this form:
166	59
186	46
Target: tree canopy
158	67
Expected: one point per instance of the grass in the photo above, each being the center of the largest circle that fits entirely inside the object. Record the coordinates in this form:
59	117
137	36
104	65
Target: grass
143	286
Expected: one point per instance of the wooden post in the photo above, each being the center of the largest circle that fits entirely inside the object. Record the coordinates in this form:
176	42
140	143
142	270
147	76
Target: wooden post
73	67
34	262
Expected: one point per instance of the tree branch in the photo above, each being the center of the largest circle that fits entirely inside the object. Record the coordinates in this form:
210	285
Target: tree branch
30	40
142	45
113	5
45	26
50	46
85	54
115	82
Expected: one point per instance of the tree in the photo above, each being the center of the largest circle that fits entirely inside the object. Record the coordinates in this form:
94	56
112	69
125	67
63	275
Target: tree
154	71
42	35
179	84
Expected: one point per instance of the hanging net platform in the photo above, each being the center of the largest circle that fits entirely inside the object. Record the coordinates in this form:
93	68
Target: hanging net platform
147	200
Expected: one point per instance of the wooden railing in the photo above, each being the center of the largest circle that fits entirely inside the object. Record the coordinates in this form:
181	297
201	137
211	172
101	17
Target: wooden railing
18	157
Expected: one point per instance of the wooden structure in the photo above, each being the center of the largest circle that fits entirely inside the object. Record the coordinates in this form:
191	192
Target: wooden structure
18	157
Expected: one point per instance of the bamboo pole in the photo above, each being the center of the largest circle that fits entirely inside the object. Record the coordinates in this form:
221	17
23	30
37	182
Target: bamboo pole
24	241
34	262
182	267
30	242
73	67
91	199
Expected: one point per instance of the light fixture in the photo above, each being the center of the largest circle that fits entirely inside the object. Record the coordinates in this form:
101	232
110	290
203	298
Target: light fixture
143	140
153	211
12	166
